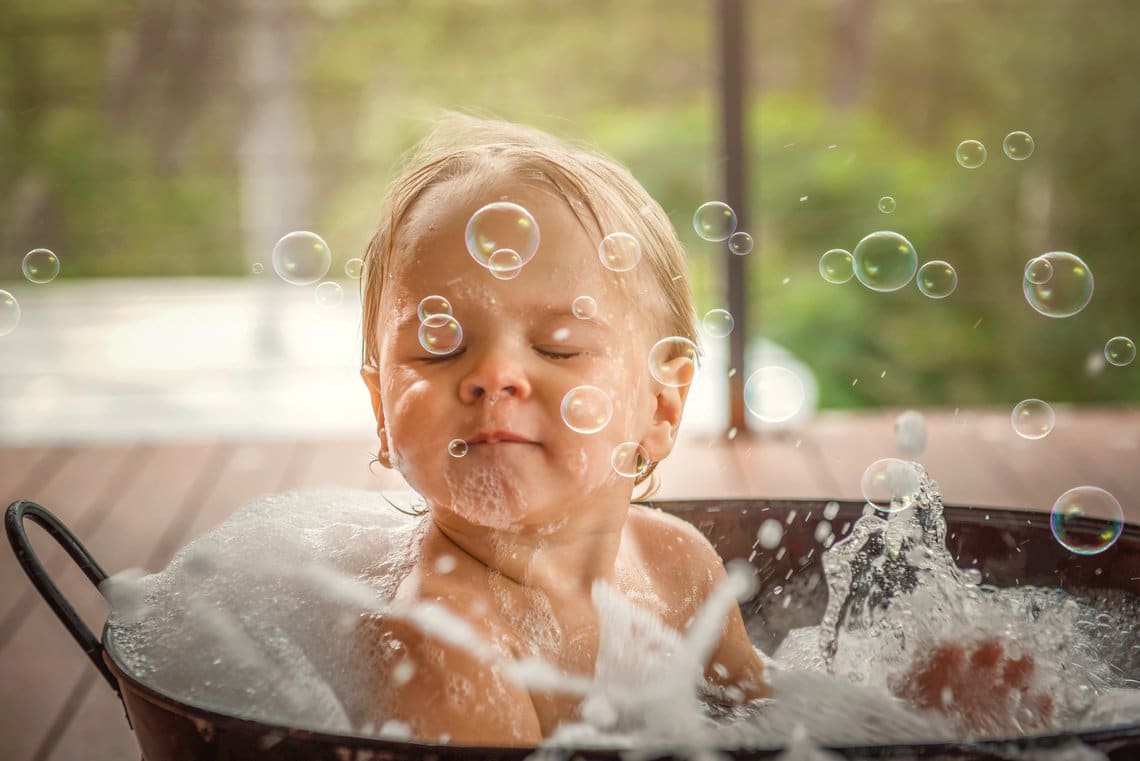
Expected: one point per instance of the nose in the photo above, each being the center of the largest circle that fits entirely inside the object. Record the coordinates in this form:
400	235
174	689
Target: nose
497	375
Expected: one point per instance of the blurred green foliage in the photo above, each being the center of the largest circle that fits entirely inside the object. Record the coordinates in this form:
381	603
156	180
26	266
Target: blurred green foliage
122	124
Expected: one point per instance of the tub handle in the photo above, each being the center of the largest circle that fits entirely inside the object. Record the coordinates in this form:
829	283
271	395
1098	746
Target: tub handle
18	538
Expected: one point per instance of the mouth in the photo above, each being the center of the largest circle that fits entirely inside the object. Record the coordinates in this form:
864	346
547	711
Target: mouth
498	437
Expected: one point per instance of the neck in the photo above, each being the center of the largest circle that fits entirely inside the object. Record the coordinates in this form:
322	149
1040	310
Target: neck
562	559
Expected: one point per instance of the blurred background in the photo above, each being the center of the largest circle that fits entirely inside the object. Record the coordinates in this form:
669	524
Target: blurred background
161	147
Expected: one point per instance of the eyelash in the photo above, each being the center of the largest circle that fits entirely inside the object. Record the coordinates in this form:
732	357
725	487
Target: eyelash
548	354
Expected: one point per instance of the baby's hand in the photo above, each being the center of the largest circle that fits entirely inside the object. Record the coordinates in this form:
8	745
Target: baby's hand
984	690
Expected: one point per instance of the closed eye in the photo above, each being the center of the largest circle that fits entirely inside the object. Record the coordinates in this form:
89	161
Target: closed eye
560	353
437	358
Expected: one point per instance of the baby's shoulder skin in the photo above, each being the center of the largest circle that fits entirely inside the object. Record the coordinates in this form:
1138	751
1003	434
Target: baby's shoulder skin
674	552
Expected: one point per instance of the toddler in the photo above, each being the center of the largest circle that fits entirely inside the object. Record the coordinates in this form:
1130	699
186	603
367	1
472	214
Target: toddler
507	353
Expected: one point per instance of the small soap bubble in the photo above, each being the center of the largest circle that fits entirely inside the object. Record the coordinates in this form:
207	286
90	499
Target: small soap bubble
629	459
501	225
970	153
402	673
1086	520
937	279
354	267
774	394
586	409
445	563
328	294
432	305
257	268
9	313
505	264
457	448
887	204
910	433
1038	270
619	252
40	265
837	266
1032	419
770	533
885	261
1120	351
740	243
890	485
1066	292
440	334
714	221
584	307
717	323
301	258
674	361
1018	145
822	531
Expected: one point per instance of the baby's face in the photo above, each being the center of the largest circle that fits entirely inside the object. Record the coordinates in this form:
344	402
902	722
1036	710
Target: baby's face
500	393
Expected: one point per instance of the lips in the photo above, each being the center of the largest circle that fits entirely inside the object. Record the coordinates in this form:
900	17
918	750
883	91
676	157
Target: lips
498	437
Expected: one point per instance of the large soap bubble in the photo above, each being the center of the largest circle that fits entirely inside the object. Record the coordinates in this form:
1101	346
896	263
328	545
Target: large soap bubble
1066	291
885	261
1087	520
714	221
890	485
9	313
502	225
301	258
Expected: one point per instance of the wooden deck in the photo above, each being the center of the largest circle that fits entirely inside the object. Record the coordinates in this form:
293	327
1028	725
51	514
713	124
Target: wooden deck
134	505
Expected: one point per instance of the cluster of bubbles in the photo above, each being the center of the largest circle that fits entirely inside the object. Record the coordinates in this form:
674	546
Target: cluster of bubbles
40	265
715	222
1086	520
440	333
1017	145
1057	284
303	258
502	237
891	485
886	261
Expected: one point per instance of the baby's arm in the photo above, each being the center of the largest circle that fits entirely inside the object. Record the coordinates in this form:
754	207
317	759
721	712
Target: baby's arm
444	693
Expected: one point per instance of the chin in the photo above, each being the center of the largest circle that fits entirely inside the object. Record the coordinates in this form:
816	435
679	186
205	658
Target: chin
490	497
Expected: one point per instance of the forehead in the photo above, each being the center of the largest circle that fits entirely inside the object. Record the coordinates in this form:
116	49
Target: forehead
430	250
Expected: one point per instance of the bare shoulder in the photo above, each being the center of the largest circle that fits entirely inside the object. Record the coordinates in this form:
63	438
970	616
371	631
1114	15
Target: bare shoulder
674	551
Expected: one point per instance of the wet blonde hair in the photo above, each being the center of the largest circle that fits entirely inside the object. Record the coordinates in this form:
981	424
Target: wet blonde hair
596	188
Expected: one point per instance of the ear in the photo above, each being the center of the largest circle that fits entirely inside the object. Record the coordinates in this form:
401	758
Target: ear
371	376
669	403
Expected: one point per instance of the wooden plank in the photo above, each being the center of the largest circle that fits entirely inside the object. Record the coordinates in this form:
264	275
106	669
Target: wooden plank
344	463
21	467
701	466
80	492
42	665
97	728
782	465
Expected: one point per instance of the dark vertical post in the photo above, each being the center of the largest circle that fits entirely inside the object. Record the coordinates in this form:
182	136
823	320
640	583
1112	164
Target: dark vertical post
731	44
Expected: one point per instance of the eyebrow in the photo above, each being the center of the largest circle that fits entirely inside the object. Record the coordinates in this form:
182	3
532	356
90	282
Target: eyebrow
543	312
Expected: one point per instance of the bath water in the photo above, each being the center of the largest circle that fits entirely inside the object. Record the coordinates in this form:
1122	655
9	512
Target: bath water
252	620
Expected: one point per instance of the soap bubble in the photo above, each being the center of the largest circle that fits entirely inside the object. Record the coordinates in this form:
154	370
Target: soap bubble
1120	351
257	268
1032	419
9	313
774	394
301	258
457	448
937	279
837	266
970	153
740	243
770	533
619	252
1018	145
440	334
674	361
890	485
887	204
40	265
432	305
910	433
629	459
714	221
329	294
587	409
1038	270
718	323
885	261
354	268
505	264
1086	520
584	307
501	225
1067	292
